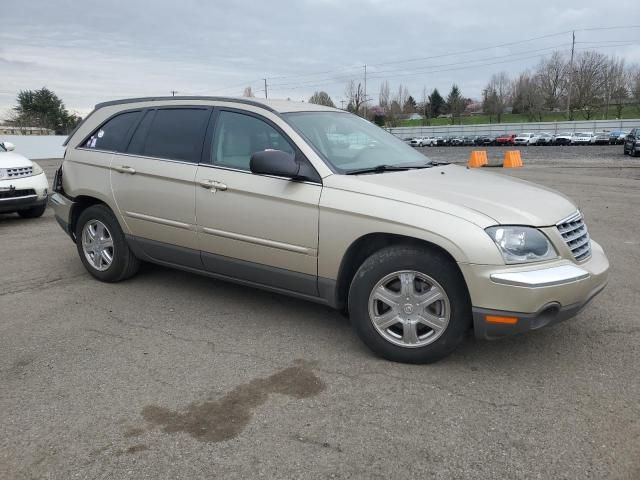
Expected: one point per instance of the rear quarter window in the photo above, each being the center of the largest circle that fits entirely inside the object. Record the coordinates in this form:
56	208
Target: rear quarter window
113	134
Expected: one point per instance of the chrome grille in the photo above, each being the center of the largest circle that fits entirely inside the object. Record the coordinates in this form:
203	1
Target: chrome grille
16	172
575	234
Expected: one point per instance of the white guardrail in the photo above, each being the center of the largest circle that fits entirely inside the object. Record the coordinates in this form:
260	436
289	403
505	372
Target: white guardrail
502	128
37	146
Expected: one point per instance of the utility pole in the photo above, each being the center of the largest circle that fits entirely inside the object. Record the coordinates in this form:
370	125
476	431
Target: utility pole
365	91
573	45
342	104
173	93
265	88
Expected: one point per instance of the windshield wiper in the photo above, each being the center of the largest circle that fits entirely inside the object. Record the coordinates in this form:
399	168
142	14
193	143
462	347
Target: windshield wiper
386	168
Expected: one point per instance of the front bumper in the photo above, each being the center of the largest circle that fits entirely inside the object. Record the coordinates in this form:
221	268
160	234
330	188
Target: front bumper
527	297
36	185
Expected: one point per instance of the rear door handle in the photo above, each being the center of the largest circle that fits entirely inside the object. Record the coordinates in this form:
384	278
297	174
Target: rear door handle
213	185
125	169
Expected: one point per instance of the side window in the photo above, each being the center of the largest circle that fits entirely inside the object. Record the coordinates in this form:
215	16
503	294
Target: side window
113	134
239	136
176	134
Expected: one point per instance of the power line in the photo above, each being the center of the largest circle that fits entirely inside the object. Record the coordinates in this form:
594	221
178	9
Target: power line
461	52
463	67
427	67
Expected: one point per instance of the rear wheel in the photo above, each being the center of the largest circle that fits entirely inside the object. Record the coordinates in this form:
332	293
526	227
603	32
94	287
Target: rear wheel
103	247
409	304
33	212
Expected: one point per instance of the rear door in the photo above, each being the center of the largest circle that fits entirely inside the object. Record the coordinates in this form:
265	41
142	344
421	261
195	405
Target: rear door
154	182
256	227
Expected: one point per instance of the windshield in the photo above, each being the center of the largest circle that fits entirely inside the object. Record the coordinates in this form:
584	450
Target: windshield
348	142
2	149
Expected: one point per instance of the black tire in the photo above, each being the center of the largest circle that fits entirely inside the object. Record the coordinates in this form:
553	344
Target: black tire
33	212
124	264
429	262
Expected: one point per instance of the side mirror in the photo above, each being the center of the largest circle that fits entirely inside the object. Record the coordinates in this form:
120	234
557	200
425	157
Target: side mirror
274	162
8	146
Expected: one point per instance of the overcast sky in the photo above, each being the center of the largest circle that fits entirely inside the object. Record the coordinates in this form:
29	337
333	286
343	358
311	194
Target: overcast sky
90	51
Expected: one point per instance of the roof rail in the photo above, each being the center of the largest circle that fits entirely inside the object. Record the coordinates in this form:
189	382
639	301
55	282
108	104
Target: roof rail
245	101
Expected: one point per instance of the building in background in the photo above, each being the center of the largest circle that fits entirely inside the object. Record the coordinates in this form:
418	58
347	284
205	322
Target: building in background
16	130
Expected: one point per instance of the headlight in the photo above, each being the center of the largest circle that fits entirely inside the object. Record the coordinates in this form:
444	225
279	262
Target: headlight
522	244
37	170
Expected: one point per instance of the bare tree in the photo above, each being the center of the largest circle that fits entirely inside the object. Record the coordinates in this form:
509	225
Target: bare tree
248	92
496	95
634	84
588	78
615	85
527	96
401	95
552	79
384	97
355	96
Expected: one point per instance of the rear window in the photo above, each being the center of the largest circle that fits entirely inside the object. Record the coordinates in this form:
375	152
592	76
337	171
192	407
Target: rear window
113	134
176	134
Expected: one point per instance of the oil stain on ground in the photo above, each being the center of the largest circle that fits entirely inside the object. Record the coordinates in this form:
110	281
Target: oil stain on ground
223	419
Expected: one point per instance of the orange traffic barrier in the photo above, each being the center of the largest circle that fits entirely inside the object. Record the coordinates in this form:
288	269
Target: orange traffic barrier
512	159
477	159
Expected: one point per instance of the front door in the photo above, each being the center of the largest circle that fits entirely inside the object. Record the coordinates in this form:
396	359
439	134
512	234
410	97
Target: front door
258	228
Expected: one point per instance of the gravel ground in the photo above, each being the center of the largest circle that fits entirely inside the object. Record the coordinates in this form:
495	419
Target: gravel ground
172	375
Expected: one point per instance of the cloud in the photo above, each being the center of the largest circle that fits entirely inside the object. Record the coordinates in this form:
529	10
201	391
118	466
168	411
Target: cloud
96	51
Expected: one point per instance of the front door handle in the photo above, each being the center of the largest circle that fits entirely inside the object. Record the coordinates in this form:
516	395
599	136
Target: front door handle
213	185
125	169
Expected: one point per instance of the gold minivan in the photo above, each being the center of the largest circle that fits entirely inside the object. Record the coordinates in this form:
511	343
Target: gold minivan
318	203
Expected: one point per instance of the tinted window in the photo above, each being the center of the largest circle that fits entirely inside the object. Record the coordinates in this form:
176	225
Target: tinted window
239	136
177	134
112	135
136	145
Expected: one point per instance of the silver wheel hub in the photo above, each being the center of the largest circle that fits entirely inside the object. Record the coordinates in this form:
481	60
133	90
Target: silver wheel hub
97	245
409	309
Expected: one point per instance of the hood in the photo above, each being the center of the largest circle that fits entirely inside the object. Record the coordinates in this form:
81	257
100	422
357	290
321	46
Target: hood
465	193
13	160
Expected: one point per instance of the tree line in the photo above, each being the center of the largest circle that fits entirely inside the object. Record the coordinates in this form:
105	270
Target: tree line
584	87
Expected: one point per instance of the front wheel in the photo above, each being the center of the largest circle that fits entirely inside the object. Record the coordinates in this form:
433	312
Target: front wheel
102	246
410	304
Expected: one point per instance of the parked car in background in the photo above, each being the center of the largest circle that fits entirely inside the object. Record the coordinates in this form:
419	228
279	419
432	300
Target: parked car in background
485	140
582	138
467	141
632	143
507	139
564	138
601	138
544	139
616	137
441	141
457	141
417	252
419	142
23	184
525	139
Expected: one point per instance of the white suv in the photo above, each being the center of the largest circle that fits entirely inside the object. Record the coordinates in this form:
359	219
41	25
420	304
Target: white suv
23	184
526	139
